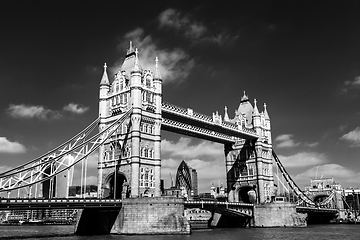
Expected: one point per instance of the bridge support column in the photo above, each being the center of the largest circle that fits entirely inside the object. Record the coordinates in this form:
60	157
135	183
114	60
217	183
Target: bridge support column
278	215
158	215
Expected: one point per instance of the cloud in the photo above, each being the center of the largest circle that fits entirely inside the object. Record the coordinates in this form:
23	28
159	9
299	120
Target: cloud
303	159
32	111
341	174
4	169
351	84
75	108
352	137
174	64
313	144
174	19
7	146
184	148
285	141
193	30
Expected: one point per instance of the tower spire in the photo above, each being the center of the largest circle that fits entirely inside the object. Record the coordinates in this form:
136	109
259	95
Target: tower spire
136	67
105	79
265	112
157	71
226	116
131	49
256	111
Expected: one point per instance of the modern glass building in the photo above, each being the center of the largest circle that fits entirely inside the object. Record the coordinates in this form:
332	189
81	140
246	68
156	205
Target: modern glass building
186	178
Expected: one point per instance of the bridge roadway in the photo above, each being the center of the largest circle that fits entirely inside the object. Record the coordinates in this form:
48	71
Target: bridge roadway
81	203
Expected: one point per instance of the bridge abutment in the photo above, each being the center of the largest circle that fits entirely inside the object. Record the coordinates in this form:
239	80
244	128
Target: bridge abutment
159	215
280	214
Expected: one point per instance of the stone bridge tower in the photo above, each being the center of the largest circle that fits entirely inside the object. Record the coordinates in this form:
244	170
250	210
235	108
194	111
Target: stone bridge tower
249	162
129	163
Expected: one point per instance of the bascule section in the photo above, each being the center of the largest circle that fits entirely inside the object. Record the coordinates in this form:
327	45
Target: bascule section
129	162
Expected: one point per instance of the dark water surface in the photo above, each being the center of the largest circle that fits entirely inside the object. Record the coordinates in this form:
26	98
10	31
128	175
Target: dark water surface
312	232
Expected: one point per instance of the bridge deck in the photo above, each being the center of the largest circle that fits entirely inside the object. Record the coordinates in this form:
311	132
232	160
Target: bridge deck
65	203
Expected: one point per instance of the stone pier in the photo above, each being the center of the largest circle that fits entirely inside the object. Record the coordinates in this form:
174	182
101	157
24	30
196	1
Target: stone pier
278	214
159	215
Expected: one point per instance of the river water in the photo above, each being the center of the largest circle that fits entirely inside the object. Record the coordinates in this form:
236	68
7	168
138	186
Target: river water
312	232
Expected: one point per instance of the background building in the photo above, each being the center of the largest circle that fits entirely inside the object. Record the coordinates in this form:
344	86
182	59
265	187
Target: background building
186	180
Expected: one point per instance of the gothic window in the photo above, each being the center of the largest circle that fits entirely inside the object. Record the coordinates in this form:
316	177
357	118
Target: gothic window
148	97
150	153
148	82
117	87
146	153
251	171
121	86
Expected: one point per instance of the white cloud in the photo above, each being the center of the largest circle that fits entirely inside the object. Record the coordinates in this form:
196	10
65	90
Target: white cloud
28	111
350	84
184	148
286	141
313	144
196	31
174	64
353	83
352	137
75	108
303	159
341	174
4	169
7	146
174	19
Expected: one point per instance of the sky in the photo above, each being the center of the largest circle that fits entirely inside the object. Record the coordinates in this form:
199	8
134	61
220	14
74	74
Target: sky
301	58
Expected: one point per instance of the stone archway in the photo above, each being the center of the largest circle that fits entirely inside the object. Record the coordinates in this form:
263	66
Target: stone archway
246	194
117	186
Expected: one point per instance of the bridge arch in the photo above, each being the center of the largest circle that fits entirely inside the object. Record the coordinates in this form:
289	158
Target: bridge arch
246	194
116	186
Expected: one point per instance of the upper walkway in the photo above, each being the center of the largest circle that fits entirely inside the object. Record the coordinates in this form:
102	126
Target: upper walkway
191	123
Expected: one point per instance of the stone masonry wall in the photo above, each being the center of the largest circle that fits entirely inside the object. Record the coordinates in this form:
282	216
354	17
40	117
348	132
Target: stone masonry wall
278	215
160	215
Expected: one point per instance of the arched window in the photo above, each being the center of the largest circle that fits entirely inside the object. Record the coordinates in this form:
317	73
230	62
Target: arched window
146	153
148	82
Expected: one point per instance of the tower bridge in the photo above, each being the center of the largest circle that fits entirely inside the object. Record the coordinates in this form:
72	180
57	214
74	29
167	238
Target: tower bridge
131	116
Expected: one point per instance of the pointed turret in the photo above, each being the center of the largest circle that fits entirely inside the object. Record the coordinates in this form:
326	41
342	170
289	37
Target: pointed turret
255	111
105	79
265	112
226	116
136	67
157	74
